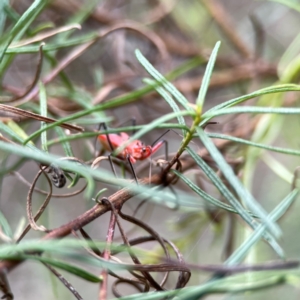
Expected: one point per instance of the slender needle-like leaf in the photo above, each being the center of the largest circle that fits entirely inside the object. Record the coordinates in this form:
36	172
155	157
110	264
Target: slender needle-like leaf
162	80
241	252
207	75
236	184
250	143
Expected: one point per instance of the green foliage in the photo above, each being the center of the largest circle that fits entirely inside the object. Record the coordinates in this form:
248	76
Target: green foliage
27	143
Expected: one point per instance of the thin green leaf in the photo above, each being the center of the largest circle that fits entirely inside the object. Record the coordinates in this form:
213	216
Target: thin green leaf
23	24
278	168
206	196
52	60
253	110
40	37
168	99
269	90
98	174
19	228
49	159
154	125
42	26
288	57
79	272
49	47
222	188
116	102
61	247
11	13
243	194
279	211
250	143
247	216
162	80
5	226
15	132
79	17
74	180
63	141
111	130
207	74
3	4
233	284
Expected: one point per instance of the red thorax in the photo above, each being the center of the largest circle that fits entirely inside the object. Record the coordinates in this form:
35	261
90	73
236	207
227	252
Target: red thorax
136	150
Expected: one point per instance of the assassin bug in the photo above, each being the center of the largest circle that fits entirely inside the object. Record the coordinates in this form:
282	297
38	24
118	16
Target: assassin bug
134	151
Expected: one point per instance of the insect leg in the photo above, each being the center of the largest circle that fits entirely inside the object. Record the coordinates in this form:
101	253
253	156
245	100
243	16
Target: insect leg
133	123
157	144
132	169
209	123
112	164
107	136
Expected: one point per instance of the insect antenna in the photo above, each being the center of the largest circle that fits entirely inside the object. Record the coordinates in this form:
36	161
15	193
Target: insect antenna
112	164
110	145
133	124
165	142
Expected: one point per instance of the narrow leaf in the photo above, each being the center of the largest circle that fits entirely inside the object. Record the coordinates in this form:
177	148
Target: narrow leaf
162	80
253	110
268	90
207	75
168	99
250	143
236	184
206	196
247	216
5	226
79	272
279	211
23	24
3	4
63	141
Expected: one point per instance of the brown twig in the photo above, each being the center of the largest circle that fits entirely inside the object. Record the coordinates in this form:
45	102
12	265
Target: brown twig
67	195
135	221
30	217
107	251
66	283
229	76
121	196
32	220
79	50
5	287
24	113
36	76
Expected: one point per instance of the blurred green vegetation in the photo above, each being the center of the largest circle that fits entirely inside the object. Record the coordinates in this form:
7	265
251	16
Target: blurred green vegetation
222	75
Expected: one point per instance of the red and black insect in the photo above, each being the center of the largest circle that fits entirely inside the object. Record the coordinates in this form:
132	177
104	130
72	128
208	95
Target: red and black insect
136	150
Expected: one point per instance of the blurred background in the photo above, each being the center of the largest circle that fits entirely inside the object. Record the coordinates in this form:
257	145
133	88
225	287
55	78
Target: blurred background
259	46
